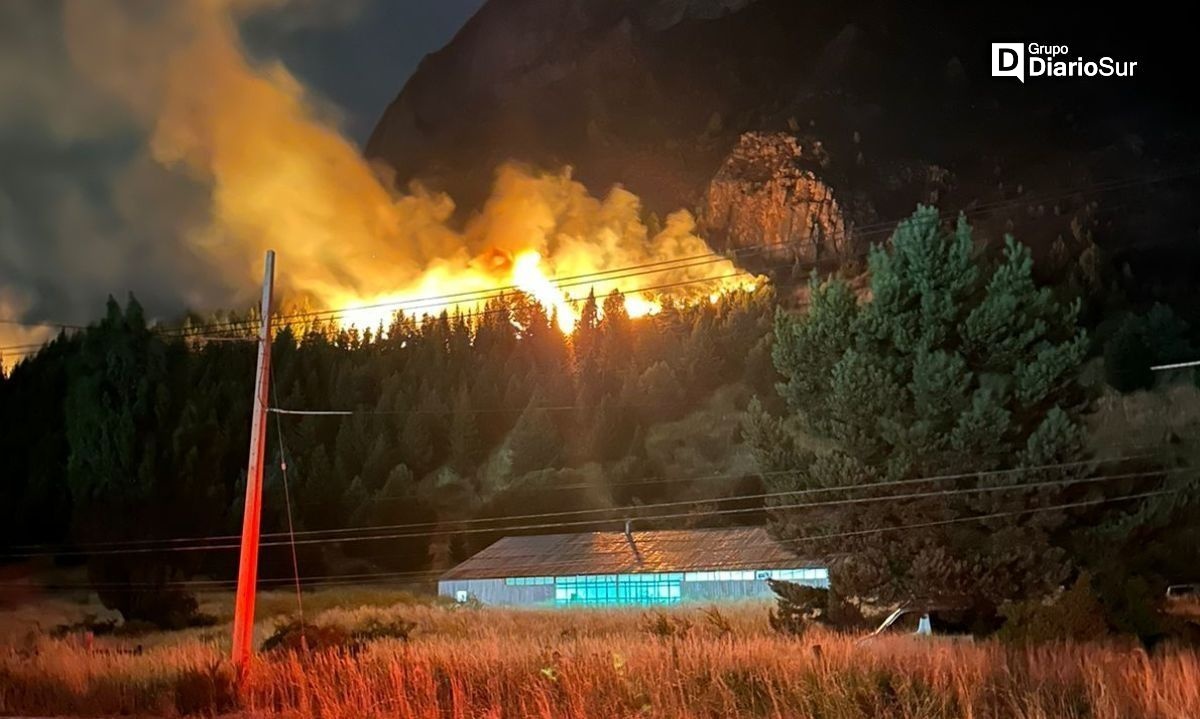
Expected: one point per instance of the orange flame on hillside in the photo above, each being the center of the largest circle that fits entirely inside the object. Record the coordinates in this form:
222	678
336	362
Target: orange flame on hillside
497	273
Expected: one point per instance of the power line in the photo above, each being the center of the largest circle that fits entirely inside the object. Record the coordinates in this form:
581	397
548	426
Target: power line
544	567
861	231
605	520
884	226
975	474
631	512
329	315
338	314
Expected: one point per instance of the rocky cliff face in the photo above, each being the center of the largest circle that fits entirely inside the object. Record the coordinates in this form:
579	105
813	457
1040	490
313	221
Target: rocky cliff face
767	194
885	104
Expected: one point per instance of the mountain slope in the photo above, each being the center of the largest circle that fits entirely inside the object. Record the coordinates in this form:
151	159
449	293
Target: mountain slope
896	99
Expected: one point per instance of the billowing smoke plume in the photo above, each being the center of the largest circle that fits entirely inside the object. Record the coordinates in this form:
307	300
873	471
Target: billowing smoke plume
84	210
278	175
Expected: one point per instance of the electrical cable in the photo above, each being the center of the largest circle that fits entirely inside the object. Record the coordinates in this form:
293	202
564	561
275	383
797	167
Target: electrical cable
976	474
287	502
542	568
886	226
590	522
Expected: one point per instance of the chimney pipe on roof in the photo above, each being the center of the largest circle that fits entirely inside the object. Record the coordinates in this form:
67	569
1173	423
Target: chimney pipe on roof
637	555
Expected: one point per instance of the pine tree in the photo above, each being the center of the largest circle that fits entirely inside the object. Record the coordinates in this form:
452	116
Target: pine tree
1158	337
617	331
464	432
702	365
534	443
34	497
609	431
398	502
660	391
946	369
585	344
119	408
168	422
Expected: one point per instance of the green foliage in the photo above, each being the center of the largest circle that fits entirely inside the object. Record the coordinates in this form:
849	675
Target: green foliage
297	637
799	607
659	388
1127	359
1139	342
534	442
460	416
123	407
1074	615
951	366
117	401
34	496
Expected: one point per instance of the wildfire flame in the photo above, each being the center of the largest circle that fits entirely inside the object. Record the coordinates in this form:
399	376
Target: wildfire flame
545	236
524	273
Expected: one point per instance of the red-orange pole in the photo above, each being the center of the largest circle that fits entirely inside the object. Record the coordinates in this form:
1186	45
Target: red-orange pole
243	608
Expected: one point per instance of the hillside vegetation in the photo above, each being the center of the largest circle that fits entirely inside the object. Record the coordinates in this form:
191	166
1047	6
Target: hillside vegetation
928	437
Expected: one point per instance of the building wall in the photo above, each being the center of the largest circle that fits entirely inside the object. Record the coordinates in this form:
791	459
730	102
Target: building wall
599	590
496	592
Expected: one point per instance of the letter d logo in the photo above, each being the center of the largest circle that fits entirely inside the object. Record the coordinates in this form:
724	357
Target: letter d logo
1008	60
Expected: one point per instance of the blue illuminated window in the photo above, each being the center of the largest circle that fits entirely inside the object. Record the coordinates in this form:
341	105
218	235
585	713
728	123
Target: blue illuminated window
528	581
599	589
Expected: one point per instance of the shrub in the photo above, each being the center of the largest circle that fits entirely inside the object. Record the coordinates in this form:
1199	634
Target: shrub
1135	606
799	607
1157	337
376	629
145	592
1075	614
666	627
1127	359
295	636
209	689
718	622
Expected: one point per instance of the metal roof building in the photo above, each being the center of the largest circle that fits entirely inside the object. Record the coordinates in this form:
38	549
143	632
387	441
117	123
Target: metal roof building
652	567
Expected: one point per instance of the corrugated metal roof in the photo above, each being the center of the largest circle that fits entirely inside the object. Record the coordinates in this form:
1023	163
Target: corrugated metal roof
675	550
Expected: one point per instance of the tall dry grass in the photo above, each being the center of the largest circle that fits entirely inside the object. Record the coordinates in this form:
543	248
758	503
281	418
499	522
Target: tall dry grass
512	663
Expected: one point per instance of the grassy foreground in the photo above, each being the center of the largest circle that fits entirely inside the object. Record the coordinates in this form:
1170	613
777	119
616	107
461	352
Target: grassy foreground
627	663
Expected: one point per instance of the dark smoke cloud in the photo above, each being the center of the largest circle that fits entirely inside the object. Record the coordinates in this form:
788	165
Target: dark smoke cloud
84	209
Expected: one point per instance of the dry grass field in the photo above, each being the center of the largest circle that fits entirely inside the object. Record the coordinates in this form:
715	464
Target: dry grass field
624	663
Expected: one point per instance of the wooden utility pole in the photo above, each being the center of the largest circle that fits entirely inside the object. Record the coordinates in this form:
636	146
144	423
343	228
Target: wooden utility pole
243	609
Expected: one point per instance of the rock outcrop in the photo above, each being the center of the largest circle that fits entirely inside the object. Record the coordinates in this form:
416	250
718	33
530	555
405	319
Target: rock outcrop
767	194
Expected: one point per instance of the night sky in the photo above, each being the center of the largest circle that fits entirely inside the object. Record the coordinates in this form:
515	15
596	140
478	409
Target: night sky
361	62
